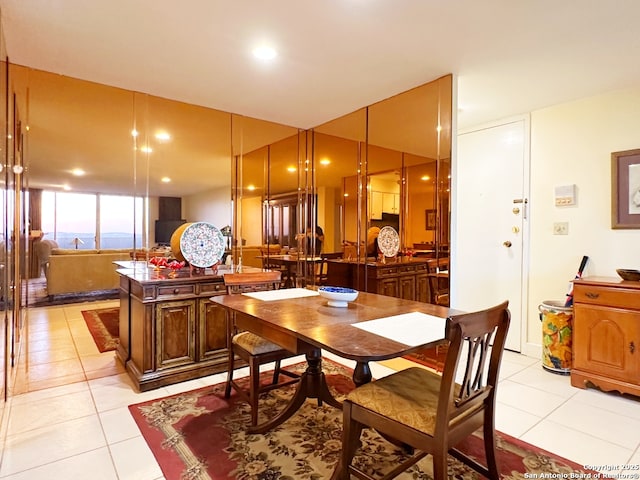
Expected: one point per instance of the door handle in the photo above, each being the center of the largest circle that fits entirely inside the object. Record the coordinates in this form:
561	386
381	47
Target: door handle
507	243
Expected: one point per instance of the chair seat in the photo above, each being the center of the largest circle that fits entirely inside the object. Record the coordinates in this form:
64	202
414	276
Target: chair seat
255	344
409	396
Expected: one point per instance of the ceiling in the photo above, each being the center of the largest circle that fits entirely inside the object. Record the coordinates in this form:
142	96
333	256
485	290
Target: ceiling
334	56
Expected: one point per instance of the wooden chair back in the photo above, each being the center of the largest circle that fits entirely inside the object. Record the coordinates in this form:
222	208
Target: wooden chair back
237	283
251	348
470	375
321	275
433	413
438	287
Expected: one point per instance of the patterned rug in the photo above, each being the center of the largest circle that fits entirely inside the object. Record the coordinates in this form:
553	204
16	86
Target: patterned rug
104	325
199	435
431	357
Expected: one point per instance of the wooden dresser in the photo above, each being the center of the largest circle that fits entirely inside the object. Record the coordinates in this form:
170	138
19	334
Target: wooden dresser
606	334
399	277
170	330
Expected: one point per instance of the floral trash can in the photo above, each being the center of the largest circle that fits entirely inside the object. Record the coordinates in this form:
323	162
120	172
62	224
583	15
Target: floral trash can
557	321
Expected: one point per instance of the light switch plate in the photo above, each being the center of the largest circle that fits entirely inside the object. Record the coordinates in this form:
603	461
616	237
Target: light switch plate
561	228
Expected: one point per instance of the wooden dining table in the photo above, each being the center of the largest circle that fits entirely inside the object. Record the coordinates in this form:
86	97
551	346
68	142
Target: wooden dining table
290	264
371	328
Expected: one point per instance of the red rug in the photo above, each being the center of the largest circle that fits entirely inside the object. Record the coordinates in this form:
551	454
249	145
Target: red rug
104	325
200	435
431	357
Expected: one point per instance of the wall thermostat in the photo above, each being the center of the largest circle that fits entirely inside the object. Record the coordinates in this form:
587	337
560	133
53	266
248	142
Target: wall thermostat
565	195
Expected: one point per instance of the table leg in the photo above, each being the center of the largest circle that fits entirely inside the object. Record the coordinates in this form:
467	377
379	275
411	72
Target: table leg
289	281
362	373
312	384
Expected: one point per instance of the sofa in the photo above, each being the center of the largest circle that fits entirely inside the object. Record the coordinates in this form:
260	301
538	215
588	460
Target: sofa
81	271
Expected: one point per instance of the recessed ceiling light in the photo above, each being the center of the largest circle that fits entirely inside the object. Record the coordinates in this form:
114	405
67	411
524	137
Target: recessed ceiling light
291	169
325	161
264	52
165	180
424	178
251	187
146	149
134	133
78	172
163	136
66	187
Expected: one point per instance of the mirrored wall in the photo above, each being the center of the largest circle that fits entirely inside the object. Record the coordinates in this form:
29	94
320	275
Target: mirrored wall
278	189
271	184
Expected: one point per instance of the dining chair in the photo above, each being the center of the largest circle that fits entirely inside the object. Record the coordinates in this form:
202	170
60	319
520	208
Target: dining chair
252	348
438	287
323	269
288	275
431	413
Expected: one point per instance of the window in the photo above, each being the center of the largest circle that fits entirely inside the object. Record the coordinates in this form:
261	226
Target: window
118	216
76	220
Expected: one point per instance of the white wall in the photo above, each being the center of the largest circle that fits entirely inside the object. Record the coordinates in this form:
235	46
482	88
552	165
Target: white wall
571	143
251	220
212	206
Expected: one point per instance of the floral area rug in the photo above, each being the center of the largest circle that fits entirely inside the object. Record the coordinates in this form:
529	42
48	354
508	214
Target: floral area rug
104	325
433	357
200	435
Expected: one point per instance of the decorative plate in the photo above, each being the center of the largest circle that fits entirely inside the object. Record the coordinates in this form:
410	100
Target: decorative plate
388	241
202	244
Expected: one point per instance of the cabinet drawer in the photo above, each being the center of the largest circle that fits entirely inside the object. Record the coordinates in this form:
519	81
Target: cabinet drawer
210	288
407	269
176	290
386	271
612	297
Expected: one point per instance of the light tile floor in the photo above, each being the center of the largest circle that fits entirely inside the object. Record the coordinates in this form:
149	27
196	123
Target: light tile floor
68	416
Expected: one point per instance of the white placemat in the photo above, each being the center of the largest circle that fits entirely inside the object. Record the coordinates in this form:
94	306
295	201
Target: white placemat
282	294
412	329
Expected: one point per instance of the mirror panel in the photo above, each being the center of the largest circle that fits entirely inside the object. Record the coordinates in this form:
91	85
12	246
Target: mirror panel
413	131
341	209
181	151
259	149
6	331
77	124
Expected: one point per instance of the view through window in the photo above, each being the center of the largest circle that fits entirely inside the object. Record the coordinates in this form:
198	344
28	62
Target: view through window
88	221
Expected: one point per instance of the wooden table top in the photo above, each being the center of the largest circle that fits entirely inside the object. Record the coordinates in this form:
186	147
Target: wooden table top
312	321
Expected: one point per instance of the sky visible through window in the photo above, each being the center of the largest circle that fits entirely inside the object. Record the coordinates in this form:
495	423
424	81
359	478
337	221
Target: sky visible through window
71	219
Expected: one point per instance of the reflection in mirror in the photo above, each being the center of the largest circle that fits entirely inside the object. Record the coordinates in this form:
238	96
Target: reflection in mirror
263	215
416	126
337	155
398	150
6	331
75	123
181	153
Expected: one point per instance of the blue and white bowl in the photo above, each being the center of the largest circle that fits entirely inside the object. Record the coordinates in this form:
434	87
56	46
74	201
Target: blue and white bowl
338	296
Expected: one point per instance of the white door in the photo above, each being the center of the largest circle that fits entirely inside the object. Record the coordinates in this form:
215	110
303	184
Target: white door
491	221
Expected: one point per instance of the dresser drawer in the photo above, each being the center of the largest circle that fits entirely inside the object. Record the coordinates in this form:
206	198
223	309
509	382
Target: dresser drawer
169	291
211	288
609	296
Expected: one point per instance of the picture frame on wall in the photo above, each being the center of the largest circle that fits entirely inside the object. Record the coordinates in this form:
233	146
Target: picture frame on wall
625	189
430	219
